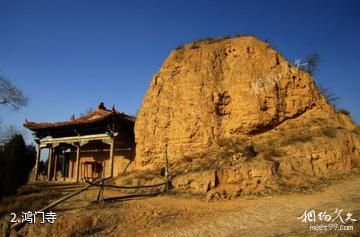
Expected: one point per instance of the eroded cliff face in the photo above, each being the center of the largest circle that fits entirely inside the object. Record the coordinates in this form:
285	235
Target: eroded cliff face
217	105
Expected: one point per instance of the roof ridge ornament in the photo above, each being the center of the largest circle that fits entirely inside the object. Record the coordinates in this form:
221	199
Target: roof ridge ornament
72	117
101	106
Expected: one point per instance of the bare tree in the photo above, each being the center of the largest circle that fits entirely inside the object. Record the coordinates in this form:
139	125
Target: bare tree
312	63
11	95
329	95
8	132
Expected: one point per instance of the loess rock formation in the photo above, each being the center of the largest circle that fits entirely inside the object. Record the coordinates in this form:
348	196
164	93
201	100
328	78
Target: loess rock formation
234	116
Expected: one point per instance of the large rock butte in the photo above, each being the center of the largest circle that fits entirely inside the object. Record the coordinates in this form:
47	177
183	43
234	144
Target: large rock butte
238	112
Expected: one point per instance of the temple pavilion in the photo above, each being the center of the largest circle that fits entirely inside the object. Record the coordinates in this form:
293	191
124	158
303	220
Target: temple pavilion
96	145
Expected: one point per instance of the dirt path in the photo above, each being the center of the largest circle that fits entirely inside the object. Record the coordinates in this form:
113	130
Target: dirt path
278	214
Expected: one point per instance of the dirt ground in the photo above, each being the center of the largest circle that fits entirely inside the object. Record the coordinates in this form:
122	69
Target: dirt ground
183	215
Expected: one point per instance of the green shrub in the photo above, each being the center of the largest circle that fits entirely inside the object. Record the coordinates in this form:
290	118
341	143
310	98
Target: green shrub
250	151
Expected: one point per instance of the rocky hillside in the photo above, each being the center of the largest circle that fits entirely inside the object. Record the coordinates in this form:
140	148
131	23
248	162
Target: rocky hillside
234	116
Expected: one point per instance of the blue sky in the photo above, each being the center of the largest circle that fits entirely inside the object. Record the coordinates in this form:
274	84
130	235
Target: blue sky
67	56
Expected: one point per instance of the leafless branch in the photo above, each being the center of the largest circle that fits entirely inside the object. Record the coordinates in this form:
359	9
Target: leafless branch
329	95
312	63
11	95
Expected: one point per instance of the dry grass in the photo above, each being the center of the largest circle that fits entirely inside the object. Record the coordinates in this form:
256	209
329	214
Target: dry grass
209	40
329	132
344	111
87	231
27	199
272	152
297	138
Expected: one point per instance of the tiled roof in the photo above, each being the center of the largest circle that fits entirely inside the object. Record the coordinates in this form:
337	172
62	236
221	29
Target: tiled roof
100	114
